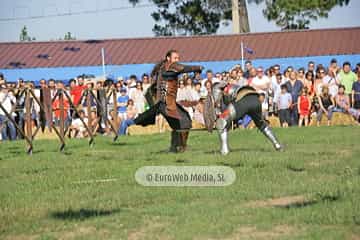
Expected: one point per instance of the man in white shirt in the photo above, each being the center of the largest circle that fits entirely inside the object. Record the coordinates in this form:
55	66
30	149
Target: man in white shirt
209	77
8	101
261	82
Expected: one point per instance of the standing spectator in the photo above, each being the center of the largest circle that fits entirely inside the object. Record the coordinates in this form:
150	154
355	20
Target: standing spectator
326	105
287	73
329	80
138	98
52	87
131	84
199	112
20	105
284	103
252	74
261	82
218	76
197	90
248	67
311	67
209	77
334	66
304	106
347	77
301	75
57	108
355	93
197	77
145	82
76	90
122	104
309	83
264	106
357	68
276	89
2	79
8	101
294	87
274	80
233	77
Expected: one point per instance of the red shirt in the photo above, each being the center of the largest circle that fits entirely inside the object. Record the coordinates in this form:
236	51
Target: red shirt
56	106
76	93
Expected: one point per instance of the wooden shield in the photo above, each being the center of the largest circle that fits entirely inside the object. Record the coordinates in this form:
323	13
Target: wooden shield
209	113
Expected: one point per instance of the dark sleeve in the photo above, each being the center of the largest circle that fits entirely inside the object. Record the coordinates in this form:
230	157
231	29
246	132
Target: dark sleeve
181	68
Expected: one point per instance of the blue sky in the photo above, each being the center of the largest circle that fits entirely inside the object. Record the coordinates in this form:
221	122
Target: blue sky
127	22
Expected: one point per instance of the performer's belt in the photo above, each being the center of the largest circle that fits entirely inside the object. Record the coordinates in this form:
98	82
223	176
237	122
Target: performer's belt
244	92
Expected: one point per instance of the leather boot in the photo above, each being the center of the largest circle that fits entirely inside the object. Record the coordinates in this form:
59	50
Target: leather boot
175	141
183	141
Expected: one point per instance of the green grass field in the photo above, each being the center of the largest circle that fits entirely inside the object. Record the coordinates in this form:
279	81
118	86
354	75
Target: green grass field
310	191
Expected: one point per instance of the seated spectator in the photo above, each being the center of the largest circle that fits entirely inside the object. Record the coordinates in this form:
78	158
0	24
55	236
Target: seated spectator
355	92
284	103
131	113
326	105
304	106
343	104
77	126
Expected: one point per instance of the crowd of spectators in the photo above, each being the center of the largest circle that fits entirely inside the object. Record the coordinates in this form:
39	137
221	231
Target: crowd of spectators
295	96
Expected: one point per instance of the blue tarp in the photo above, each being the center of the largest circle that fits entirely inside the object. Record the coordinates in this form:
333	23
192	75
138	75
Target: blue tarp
66	73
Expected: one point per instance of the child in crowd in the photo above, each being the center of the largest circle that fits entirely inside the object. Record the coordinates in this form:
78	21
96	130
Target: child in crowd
122	104
284	103
304	106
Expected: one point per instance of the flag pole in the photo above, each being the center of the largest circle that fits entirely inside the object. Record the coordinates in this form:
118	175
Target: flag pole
242	55
103	61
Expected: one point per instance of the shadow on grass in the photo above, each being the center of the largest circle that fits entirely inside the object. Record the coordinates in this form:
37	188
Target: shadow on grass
326	198
295	168
237	150
82	214
298	204
231	164
119	144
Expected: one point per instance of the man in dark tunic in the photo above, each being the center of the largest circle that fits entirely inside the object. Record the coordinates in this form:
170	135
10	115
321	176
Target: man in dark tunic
162	99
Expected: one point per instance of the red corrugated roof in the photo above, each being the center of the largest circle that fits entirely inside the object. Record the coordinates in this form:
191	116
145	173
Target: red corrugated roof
197	48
